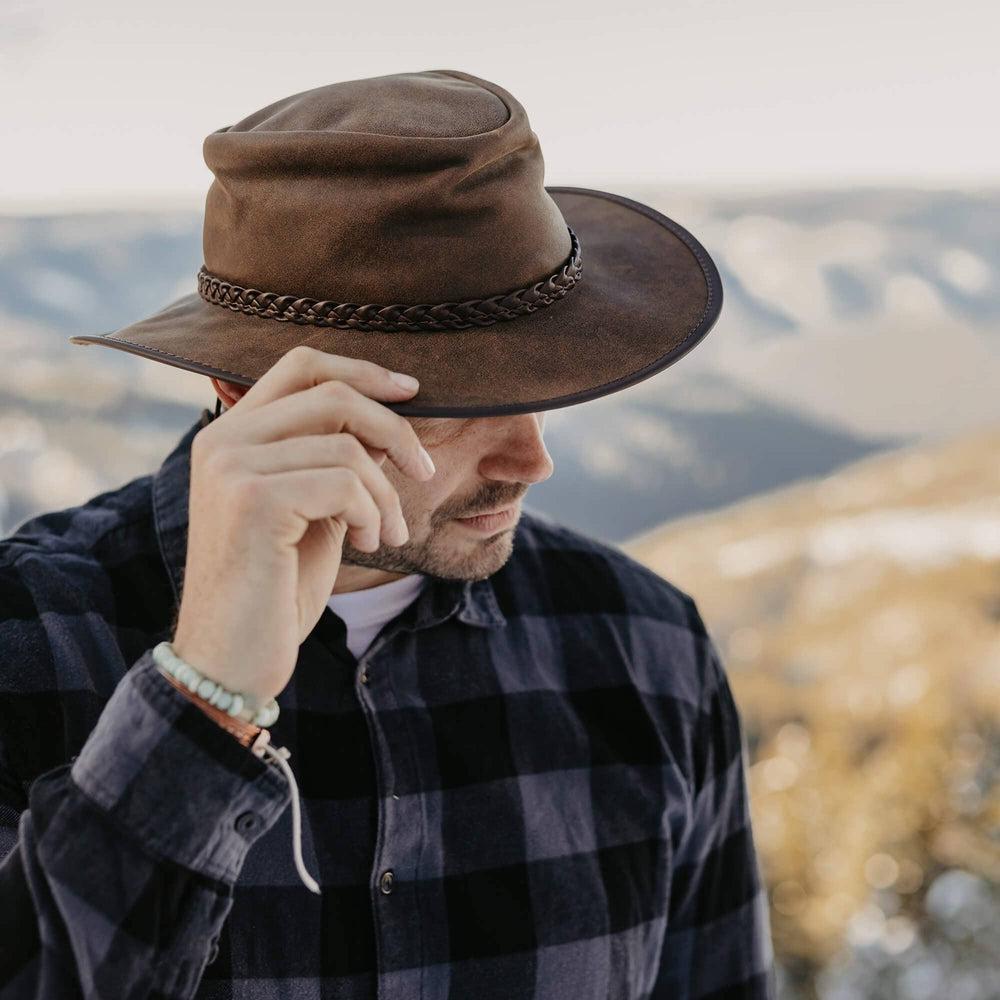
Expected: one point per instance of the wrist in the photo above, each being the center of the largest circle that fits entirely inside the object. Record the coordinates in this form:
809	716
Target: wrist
210	664
235	704
245	732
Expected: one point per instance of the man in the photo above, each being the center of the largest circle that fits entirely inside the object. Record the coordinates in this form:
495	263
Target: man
519	764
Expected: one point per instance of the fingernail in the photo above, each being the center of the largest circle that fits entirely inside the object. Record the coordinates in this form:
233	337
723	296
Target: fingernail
427	460
406	381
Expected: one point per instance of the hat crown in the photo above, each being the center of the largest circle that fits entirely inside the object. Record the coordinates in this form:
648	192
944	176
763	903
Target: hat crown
431	104
405	188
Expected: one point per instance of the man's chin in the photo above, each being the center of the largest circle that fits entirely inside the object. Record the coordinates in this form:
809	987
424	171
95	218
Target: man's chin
456	554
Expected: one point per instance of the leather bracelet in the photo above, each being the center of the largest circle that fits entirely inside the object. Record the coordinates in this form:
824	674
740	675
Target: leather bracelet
246	732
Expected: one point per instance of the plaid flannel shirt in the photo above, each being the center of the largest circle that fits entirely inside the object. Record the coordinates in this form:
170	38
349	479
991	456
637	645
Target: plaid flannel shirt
529	786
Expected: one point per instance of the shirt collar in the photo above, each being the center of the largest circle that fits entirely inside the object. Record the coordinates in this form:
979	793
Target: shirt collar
473	601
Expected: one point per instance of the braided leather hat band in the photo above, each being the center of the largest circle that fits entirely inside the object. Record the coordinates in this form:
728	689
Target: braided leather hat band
443	316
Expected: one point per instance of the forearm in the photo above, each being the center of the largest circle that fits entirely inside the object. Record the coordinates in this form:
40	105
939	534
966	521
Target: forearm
122	871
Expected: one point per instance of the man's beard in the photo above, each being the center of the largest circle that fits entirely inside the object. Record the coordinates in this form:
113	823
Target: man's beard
441	557
434	557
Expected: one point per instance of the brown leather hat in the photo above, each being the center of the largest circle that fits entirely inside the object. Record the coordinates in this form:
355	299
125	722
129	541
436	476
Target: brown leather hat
404	219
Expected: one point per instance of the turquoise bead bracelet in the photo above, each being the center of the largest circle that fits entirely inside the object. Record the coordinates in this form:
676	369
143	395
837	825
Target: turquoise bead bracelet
231	702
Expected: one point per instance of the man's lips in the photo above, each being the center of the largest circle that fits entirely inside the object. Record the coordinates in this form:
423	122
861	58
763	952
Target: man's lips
495	510
498	518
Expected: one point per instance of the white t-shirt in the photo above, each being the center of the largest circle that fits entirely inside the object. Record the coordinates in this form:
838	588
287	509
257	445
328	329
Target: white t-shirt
365	611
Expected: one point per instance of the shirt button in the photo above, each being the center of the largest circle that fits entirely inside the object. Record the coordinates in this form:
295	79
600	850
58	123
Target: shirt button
364	677
246	822
385	882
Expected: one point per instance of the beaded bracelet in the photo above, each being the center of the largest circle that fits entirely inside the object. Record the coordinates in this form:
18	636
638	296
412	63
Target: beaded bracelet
230	702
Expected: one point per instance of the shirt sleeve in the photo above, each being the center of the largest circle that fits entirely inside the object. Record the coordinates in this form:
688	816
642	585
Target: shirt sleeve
118	876
718	939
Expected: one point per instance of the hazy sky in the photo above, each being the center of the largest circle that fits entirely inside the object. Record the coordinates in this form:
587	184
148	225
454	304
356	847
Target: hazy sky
108	102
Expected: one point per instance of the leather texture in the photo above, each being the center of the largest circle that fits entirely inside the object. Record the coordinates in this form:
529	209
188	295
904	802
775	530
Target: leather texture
428	188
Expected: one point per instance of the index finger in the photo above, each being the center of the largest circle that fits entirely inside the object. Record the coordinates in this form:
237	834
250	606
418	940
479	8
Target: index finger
303	367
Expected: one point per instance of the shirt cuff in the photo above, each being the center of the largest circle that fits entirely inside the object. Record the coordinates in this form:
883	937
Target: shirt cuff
173	777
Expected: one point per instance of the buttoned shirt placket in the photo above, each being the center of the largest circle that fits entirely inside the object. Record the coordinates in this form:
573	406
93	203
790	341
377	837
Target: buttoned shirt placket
402	835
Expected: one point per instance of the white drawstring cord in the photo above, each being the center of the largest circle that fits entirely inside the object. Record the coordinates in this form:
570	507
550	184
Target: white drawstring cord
280	756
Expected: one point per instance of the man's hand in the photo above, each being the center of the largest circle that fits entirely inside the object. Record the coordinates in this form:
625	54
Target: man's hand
277	483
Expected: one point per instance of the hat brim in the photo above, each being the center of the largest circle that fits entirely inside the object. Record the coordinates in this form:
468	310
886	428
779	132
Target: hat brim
649	293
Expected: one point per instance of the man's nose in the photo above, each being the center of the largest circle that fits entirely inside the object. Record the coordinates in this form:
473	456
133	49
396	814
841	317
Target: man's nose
519	453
